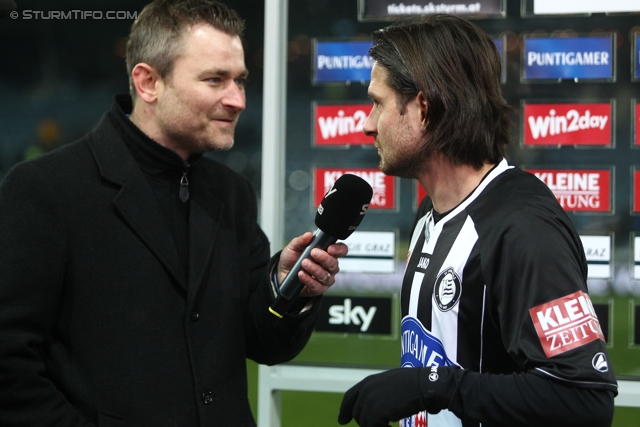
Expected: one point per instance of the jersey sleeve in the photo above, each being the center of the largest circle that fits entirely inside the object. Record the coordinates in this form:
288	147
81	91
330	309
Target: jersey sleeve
536	271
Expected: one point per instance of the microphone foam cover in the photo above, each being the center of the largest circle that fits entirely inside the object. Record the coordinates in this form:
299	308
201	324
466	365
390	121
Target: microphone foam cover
344	206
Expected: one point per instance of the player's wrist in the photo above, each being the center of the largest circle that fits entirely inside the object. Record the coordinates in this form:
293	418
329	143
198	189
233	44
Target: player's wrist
437	385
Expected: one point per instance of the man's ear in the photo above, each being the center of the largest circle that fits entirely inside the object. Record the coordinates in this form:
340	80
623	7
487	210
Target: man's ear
146	80
424	108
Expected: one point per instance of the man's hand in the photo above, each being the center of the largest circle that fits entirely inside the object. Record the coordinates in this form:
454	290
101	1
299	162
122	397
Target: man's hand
396	394
317	276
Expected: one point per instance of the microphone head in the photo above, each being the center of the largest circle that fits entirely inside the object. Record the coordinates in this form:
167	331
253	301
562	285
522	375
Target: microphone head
6	7
344	206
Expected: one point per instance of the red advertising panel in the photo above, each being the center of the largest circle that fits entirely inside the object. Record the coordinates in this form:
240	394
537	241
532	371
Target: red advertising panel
383	185
578	190
567	124
636	191
420	194
341	124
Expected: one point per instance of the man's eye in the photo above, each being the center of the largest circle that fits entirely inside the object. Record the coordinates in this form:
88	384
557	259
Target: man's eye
214	80
242	82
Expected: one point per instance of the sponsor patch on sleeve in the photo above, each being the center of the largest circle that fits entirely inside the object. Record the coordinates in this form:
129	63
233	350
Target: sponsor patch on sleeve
566	323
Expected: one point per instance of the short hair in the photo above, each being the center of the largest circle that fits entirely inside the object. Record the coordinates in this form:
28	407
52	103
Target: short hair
457	67
156	36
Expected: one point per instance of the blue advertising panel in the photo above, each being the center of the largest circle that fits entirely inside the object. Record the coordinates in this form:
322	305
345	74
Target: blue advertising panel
498	42
636	57
501	45
342	61
568	58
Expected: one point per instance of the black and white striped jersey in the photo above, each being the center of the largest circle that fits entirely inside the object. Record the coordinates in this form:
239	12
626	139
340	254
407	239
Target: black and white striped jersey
498	285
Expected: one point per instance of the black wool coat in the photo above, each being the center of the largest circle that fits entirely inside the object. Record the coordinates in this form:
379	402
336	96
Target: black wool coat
98	322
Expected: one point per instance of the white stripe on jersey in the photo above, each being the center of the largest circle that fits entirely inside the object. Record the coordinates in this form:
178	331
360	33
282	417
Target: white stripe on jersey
484	307
444	324
416	236
416	285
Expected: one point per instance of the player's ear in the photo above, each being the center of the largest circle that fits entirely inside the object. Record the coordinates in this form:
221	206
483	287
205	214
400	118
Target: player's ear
423	105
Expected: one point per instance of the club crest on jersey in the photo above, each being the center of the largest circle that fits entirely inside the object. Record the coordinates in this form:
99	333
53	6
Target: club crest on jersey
447	290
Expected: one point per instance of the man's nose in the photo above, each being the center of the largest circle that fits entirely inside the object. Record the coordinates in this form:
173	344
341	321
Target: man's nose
370	127
235	97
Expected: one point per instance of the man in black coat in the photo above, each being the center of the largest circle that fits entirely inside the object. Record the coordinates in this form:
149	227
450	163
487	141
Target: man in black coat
135	279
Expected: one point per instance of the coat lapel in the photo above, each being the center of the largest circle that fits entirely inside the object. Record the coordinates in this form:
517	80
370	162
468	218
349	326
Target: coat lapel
135	200
204	213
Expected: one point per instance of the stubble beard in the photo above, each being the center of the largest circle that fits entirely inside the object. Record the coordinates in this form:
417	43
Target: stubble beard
197	137
202	141
406	165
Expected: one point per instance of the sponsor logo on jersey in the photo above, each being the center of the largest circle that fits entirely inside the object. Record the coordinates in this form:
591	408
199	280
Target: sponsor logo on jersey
418	420
578	190
566	323
420	347
423	263
341	124
567	124
383	185
447	290
433	375
599	362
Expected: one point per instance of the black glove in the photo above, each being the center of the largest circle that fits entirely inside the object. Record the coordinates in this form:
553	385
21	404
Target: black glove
398	393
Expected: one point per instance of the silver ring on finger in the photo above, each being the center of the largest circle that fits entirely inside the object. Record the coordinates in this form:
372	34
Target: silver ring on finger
325	281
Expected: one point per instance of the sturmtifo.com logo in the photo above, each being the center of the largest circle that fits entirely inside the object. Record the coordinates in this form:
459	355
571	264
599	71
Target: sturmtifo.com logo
74	14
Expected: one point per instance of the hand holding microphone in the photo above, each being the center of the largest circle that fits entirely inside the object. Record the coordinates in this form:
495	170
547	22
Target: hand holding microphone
338	215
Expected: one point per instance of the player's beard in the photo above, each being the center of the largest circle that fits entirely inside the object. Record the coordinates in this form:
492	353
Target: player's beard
404	163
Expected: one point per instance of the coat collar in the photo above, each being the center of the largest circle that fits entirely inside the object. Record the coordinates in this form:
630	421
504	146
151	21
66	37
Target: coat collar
139	208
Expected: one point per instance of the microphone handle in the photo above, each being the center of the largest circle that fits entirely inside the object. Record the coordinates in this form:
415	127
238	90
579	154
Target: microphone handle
291	286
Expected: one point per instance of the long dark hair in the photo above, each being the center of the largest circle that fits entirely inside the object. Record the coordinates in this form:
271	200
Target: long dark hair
457	67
